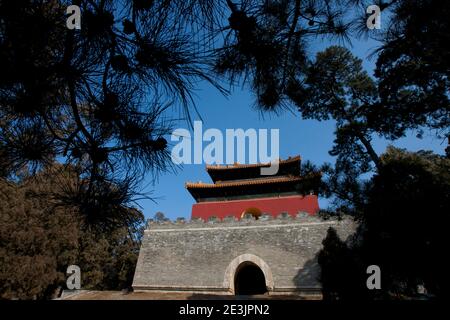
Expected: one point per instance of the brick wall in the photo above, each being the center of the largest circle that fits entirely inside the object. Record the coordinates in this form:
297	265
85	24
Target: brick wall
273	206
202	256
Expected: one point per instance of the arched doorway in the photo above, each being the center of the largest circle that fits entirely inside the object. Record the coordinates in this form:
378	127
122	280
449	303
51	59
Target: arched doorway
238	263
249	280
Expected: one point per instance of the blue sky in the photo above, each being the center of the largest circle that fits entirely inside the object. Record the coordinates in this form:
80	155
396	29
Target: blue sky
309	138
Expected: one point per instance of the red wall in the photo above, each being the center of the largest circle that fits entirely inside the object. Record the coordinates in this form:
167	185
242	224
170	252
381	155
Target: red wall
273	206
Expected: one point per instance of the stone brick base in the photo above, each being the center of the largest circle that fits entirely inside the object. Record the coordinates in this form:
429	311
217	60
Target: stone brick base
204	257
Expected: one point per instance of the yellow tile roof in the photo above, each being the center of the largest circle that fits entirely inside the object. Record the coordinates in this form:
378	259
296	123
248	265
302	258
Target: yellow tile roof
254	181
238	166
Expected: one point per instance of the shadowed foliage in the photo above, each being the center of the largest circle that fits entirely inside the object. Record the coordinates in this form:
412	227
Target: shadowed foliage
97	98
40	238
401	230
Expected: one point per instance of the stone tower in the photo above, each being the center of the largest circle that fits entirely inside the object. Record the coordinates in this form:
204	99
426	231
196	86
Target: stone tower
239	189
249	234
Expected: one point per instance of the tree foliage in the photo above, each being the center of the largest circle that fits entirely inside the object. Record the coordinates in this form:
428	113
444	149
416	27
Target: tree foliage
341	273
266	43
40	238
336	87
400	230
99	97
413	68
160	216
96	97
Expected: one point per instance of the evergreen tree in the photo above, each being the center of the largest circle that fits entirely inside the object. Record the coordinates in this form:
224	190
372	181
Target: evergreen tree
401	230
40	237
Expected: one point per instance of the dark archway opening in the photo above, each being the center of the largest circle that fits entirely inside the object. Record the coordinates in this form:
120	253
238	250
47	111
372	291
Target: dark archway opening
249	280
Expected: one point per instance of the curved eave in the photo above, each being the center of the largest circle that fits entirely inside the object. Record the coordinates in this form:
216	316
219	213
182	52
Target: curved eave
262	181
256	165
